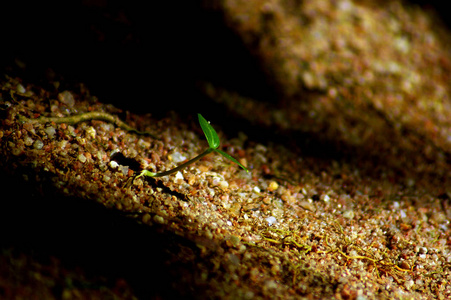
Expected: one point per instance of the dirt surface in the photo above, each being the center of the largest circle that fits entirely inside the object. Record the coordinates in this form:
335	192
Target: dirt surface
348	194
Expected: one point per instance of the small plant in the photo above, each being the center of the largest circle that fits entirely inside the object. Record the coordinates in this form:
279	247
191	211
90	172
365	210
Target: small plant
213	143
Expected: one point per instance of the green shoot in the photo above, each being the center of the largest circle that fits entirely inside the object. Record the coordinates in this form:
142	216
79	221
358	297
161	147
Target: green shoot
213	143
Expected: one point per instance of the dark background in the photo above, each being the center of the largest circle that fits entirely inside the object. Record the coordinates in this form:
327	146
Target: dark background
138	56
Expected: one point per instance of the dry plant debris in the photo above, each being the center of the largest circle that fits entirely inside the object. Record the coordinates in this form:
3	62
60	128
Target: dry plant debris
369	223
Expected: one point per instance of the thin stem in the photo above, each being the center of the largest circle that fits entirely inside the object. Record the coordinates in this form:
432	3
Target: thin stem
193	160
94	115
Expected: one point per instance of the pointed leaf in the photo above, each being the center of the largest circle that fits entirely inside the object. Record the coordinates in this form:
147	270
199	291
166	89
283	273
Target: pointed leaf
210	133
231	159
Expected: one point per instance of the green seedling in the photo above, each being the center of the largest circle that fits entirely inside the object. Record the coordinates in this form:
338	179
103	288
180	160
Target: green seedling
213	143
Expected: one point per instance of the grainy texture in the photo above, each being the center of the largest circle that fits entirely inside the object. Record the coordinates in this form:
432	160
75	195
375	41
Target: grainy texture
348	194
334	60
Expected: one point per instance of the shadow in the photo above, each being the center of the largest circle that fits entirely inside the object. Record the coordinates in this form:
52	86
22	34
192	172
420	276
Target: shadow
139	58
85	235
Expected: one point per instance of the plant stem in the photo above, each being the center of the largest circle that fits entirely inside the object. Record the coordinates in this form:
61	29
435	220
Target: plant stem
193	160
94	115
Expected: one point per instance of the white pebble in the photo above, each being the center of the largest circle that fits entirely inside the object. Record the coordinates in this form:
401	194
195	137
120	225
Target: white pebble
38	144
179	176
177	157
271	220
402	213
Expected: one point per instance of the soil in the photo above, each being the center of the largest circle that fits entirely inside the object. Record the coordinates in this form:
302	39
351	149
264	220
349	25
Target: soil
349	153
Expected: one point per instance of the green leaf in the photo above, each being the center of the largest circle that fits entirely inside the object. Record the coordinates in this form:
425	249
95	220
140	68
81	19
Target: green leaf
210	133
231	159
213	140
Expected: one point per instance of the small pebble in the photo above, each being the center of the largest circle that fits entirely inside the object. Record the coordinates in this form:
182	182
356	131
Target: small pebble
158	219
437	217
177	157
408	284
82	158
271	220
223	185
62	144
273	186
404	265
38	144
67	98
307	205
423	250
28	141
91	132
349	214
124	169
21	89
271	284
17	151
50	132
179	176
146	218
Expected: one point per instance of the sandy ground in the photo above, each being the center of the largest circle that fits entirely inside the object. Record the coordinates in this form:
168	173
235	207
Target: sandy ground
348	194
